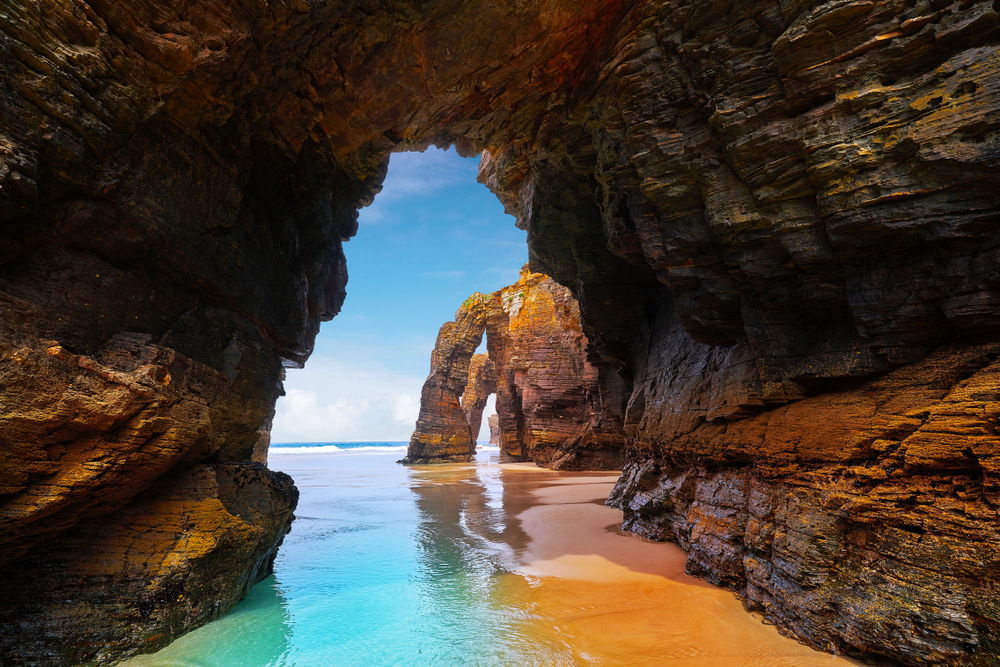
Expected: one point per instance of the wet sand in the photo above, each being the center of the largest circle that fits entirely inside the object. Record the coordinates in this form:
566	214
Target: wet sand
615	599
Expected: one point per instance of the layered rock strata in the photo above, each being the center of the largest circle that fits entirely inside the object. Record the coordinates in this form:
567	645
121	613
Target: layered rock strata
443	434
761	219
175	557
550	402
549	399
773	214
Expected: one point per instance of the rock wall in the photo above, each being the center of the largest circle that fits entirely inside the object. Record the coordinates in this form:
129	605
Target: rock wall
549	399
776	217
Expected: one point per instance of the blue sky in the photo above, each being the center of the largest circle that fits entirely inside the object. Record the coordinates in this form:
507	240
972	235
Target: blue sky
432	237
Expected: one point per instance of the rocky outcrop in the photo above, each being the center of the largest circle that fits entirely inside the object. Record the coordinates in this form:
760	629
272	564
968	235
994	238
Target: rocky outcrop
443	434
494	422
481	384
175	557
549	404
772	214
861	519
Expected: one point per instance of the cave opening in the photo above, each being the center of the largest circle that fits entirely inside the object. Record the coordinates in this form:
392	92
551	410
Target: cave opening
778	218
432	237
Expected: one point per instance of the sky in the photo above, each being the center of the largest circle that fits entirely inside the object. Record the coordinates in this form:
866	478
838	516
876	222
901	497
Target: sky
432	237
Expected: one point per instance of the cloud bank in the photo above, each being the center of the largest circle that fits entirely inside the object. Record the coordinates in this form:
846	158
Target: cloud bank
348	398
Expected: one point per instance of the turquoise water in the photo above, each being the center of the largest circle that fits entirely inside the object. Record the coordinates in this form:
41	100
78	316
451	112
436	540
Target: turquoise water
385	565
474	565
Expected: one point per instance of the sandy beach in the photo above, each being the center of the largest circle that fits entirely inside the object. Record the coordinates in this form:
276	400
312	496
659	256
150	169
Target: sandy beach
617	599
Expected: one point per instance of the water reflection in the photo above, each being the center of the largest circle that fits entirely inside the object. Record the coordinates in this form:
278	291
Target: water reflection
473	566
470	544
457	565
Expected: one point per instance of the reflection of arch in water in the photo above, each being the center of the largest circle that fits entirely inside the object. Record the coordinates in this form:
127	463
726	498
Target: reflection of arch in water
459	563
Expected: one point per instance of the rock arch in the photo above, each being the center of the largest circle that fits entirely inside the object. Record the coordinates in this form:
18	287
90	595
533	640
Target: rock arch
552	403
770	212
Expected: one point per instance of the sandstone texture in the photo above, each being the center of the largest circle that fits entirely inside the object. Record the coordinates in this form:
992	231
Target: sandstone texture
549	399
778	218
443	434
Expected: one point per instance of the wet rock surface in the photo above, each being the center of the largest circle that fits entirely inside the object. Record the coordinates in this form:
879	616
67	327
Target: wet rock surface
778	219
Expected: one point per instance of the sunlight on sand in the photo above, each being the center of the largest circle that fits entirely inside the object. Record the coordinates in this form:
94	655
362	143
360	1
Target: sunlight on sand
617	599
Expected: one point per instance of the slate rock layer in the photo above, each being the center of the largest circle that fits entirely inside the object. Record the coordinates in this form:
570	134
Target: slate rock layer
772	214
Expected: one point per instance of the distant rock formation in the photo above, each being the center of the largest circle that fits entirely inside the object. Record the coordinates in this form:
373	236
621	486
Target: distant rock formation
494	422
442	434
482	382
549	396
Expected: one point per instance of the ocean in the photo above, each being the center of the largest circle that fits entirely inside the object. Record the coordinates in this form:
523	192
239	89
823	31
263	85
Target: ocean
475	565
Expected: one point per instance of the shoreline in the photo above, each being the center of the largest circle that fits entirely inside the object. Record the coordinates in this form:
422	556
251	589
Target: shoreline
618	598
553	580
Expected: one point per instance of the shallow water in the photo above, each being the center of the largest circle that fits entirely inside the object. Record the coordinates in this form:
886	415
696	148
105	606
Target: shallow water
472	565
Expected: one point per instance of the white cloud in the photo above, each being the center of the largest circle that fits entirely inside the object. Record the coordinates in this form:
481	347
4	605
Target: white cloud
350	397
418	174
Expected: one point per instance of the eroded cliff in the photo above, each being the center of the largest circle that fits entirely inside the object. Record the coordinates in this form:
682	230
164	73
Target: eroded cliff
778	218
551	404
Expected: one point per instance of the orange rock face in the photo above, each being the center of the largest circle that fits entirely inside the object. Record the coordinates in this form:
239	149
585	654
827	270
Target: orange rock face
443	434
549	398
548	404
